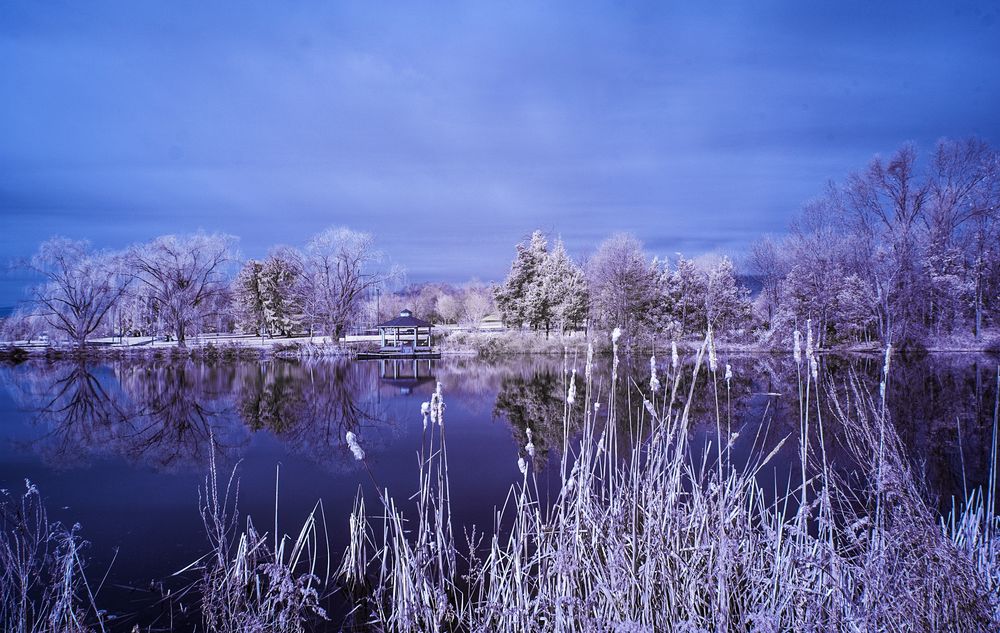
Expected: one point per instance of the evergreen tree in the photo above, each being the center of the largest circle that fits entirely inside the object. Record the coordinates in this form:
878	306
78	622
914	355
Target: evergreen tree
516	299
248	298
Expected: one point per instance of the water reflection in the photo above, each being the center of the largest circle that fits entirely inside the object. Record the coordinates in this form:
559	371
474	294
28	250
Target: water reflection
166	415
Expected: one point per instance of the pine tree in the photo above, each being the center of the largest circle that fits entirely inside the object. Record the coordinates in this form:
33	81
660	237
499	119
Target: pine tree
248	298
516	299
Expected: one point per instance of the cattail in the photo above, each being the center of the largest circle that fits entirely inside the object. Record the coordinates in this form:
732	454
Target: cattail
522	466
797	350
675	359
809	338
615	335
713	362
352	443
571	393
425	410
729	374
814	367
649	408
654	382
885	371
588	371
530	446
437	406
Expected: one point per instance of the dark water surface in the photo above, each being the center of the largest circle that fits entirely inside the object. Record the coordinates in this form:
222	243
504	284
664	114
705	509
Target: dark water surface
122	447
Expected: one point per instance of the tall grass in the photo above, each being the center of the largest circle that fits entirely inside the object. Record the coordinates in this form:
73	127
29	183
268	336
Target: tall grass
42	585
654	535
252	582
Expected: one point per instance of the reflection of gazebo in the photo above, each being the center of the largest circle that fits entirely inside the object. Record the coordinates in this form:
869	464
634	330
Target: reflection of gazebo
405	335
407	375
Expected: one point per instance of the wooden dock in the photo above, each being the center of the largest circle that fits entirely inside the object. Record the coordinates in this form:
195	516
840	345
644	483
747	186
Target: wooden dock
401	355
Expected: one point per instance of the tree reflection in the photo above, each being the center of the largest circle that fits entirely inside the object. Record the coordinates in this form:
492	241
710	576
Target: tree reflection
166	416
311	406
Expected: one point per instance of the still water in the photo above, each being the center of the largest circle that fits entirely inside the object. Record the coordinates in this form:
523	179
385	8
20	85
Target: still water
122	447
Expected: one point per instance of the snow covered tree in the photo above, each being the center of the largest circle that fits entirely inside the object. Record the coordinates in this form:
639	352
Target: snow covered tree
340	269
727	303
477	305
184	276
248	298
448	307
79	287
623	285
279	279
560	291
688	288
852	317
516	299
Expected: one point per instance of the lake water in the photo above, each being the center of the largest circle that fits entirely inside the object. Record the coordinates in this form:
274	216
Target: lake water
122	447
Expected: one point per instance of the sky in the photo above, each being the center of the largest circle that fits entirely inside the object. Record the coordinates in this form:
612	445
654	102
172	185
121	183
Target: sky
451	130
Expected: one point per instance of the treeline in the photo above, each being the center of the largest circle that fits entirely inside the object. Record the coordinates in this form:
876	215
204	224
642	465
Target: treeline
181	285
904	250
621	286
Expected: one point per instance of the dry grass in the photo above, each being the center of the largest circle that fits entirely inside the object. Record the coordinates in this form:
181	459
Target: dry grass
652	538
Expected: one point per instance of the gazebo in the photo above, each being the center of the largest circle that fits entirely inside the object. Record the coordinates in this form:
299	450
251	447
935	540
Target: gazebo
405	335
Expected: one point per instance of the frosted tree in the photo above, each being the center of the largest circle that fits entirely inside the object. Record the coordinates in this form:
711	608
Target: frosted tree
185	277
852	316
448	307
248	298
512	298
341	268
769	263
623	285
688	286
559	294
477	305
727	303
280	276
79	288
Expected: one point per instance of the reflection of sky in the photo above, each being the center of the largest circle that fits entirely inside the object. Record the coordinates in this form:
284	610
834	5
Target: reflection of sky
466	126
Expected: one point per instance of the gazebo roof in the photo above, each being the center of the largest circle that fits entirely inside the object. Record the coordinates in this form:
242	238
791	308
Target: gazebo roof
406	320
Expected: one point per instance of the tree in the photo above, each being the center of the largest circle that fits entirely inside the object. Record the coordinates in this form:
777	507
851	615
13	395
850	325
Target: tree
623	285
769	264
280	276
477	305
727	303
248	297
338	274
448	307
563	288
687	290
80	286
512	296
184	276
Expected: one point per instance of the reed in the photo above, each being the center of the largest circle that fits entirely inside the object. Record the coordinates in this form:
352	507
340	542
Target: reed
43	588
661	537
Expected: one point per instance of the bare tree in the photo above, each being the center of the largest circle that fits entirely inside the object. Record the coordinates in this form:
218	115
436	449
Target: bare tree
185	277
769	264
80	286
338	274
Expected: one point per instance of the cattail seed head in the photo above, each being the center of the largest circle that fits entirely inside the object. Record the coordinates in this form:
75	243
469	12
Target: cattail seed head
654	382
352	443
675	359
797	349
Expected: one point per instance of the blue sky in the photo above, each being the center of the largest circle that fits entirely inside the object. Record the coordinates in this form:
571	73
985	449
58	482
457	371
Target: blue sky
451	130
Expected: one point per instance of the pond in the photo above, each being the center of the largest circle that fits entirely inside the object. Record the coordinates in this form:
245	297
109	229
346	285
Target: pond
122	447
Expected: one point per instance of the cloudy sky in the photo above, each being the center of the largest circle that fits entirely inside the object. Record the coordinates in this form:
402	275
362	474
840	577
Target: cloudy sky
451	130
